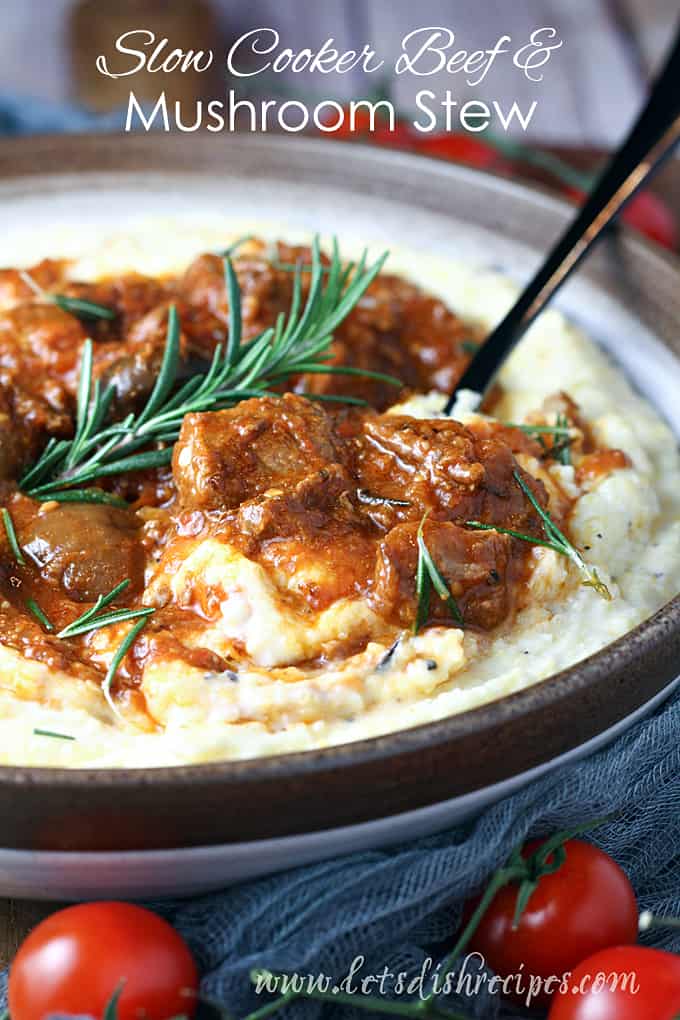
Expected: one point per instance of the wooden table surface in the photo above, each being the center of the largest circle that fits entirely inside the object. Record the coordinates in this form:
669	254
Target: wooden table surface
18	917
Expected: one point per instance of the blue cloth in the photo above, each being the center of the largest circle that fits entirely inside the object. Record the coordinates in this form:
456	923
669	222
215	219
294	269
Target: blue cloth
398	906
22	115
393	906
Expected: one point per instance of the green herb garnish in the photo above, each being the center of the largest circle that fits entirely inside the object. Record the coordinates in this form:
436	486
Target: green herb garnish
537	430
87	496
122	650
561	430
52	733
470	346
296	344
294	267
12	537
336	398
555	540
94	619
80	307
561	451
428	577
34	608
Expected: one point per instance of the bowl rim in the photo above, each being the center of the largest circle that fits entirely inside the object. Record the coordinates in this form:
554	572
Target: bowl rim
17	161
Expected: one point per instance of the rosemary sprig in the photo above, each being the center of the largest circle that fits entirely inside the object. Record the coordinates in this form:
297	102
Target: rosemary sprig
537	430
122	650
555	540
35	609
52	733
94	619
80	307
293	267
12	537
428	577
87	496
480	526
296	344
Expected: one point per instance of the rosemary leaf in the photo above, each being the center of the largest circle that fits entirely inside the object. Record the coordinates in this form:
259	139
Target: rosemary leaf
235	321
122	650
562	544
423	590
480	526
427	577
102	602
117	616
310	368
82	309
168	370
35	609
532	430
562	451
86	496
294	267
52	733
12	537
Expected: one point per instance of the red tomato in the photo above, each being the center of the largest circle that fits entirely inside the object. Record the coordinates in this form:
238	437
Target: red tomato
74	961
647	213
584	906
462	148
654	995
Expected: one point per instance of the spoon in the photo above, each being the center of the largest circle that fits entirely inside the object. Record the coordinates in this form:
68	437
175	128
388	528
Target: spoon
652	138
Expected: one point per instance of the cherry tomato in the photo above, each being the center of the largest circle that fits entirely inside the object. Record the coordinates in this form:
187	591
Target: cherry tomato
584	906
647	213
648	987
74	961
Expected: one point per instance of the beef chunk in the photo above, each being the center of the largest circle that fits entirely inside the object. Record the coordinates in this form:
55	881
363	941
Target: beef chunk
265	293
474	565
223	458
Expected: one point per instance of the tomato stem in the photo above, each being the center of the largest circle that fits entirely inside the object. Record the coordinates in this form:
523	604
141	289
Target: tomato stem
388	1007
649	920
528	871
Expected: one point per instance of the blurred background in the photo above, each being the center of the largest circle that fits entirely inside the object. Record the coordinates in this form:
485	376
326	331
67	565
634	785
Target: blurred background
594	83
592	89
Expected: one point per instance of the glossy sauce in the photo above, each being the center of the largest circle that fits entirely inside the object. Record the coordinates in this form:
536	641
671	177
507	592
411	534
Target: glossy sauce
328	500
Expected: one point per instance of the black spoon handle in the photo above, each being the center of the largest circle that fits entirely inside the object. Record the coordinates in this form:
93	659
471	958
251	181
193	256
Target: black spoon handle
653	136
